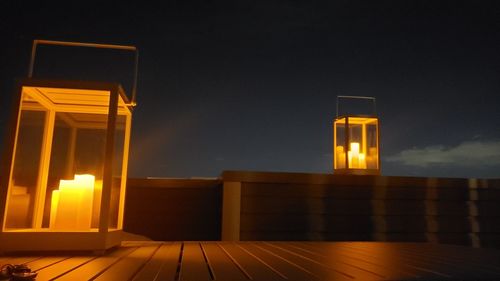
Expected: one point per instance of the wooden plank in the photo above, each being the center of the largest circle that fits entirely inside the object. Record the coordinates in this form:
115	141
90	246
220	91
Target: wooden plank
287	268
353	259
126	268
63	267
445	258
387	257
163	265
271	261
44	262
153	266
19	259
446	255
462	265
94	268
194	266
256	268
224	268
392	252
392	257
492	255
331	267
352	254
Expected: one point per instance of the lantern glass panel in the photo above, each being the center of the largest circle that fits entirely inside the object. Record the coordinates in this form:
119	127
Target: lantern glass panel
372	145
26	166
340	135
57	177
78	147
122	129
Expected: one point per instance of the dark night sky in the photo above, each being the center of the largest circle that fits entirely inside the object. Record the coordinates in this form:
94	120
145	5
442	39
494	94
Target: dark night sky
252	85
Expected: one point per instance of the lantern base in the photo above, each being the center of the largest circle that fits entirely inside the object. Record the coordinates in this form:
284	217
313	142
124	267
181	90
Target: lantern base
59	241
358	172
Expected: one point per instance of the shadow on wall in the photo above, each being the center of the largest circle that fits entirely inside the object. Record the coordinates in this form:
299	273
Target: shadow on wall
174	209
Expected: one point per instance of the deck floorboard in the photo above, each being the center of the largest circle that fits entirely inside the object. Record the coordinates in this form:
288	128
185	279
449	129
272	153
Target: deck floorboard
268	261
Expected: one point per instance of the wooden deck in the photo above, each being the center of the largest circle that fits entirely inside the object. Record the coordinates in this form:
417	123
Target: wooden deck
270	261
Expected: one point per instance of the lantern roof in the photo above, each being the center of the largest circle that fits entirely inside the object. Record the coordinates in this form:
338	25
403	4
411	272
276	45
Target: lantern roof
72	92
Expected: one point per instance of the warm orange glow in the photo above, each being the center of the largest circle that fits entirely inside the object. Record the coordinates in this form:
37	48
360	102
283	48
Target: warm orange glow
372	157
361	136
340	156
71	100
362	161
20	201
72	204
69	116
356	159
68	165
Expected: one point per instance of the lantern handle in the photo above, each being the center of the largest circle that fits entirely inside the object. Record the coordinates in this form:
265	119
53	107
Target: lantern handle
37	42
357	97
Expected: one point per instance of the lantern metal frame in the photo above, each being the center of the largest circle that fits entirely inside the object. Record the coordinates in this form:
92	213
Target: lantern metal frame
356	119
36	237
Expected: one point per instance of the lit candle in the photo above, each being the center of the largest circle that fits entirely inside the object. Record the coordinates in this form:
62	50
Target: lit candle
369	162
354	158
53	208
86	185
371	159
66	214
340	154
72	203
362	161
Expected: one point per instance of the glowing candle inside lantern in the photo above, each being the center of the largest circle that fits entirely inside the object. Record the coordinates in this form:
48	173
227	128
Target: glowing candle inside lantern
371	158
340	154
53	208
86	185
362	161
72	203
354	158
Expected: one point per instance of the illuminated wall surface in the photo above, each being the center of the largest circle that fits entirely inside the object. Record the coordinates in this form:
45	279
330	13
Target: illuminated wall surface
59	159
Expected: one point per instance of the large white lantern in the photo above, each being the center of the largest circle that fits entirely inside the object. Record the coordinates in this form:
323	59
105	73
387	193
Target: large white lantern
63	185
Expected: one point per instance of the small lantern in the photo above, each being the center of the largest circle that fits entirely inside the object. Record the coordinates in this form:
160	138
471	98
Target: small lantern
63	184
356	142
